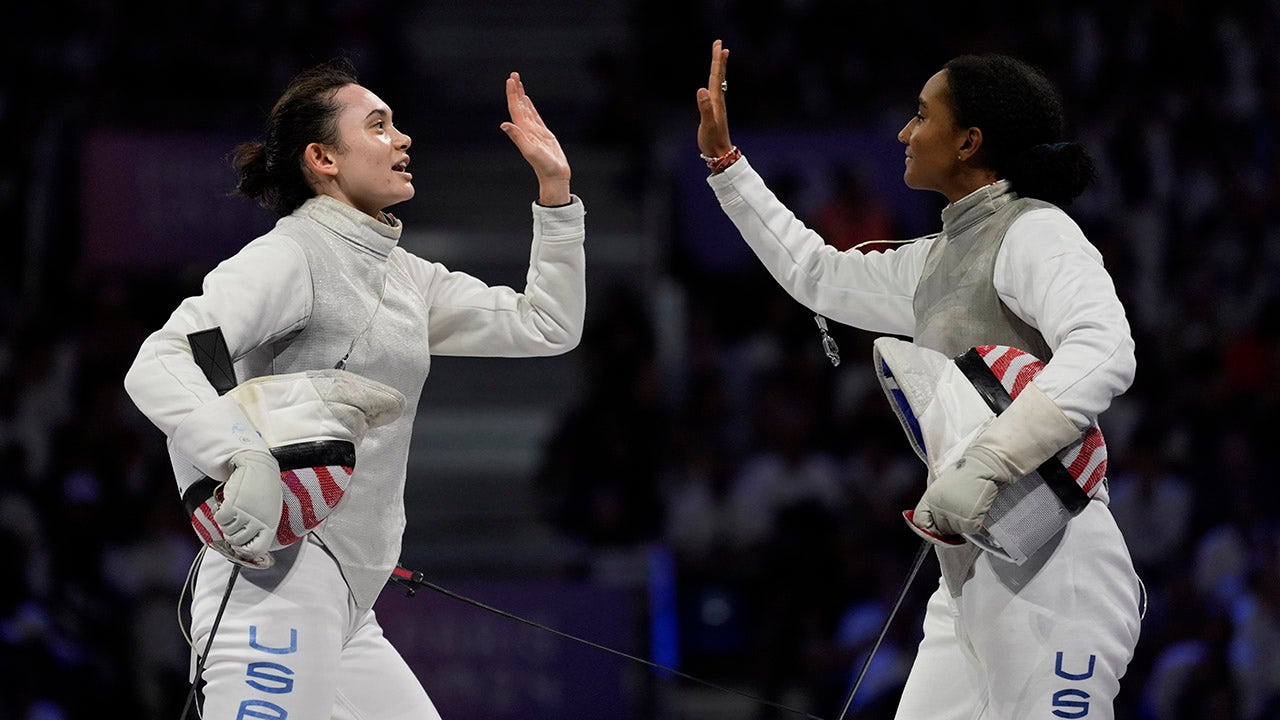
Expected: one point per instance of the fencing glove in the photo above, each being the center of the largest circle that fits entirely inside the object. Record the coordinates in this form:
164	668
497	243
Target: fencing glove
1031	430
250	504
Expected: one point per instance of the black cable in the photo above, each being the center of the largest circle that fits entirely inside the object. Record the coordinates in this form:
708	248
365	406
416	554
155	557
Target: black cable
402	577
195	681
211	355
902	594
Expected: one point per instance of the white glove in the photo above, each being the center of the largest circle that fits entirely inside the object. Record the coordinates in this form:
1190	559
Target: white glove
251	504
959	499
1031	430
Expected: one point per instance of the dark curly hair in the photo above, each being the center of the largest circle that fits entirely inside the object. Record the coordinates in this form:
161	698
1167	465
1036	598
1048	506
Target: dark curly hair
1020	113
270	170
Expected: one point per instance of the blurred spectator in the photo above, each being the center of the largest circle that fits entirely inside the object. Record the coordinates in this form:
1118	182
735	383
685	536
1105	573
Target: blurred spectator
600	473
854	214
1255	642
1191	678
1227	551
1153	505
787	468
144	570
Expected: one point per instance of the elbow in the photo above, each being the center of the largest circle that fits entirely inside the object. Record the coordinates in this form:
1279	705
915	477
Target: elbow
564	341
133	382
557	330
140	379
573	342
1119	366
140	388
1128	360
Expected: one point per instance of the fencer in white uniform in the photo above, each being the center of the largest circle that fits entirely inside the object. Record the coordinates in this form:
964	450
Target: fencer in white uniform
329	286
1053	636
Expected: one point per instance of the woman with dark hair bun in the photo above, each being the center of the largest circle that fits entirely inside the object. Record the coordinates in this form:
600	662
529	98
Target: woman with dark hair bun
329	293
1049	634
1020	114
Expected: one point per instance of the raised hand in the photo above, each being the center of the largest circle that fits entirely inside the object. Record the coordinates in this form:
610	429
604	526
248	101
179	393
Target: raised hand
537	144
713	127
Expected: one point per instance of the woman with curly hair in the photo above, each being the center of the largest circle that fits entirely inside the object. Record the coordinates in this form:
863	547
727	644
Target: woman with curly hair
1052	636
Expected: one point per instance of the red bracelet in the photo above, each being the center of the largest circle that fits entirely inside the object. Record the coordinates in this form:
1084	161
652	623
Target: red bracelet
718	164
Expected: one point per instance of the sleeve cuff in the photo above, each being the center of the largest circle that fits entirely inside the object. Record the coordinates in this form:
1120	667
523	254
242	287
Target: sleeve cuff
563	222
214	432
1031	430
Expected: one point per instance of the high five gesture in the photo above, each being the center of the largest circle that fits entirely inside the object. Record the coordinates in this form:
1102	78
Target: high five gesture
537	144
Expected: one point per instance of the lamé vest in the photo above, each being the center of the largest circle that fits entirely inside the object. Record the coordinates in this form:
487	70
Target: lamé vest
957	307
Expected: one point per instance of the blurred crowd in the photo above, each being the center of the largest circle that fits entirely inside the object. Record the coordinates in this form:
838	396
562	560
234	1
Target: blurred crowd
774	478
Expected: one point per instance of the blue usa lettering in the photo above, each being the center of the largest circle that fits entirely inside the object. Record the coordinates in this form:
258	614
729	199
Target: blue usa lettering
1072	703
292	647
267	676
261	710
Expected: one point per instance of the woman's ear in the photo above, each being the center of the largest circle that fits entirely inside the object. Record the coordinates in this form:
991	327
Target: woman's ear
970	143
317	159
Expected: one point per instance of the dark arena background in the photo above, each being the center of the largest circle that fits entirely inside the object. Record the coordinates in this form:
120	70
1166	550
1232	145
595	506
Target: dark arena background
696	484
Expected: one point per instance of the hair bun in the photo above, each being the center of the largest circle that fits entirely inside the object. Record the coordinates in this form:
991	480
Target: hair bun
1053	172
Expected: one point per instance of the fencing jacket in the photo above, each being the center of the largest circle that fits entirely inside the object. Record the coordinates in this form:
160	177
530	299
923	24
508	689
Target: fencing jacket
1004	270
330	282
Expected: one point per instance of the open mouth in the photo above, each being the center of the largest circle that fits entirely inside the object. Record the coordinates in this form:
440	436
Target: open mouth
401	166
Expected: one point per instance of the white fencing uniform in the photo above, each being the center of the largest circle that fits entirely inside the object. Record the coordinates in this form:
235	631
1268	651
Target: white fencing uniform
1007	271
1048	639
293	643
1028	575
327	283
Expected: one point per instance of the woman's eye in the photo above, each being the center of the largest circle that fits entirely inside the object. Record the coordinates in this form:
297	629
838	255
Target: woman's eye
918	117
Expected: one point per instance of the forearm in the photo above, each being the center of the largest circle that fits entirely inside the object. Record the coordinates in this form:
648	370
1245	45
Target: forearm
553	304
554	192
469	317
872	291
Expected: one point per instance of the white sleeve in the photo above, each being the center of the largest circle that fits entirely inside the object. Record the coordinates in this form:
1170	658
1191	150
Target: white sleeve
872	291
1049	275
469	317
257	296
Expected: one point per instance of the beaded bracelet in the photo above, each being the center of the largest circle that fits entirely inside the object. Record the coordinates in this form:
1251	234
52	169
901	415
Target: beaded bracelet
718	164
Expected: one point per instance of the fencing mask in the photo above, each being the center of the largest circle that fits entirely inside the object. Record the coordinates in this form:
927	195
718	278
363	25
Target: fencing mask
944	403
313	422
